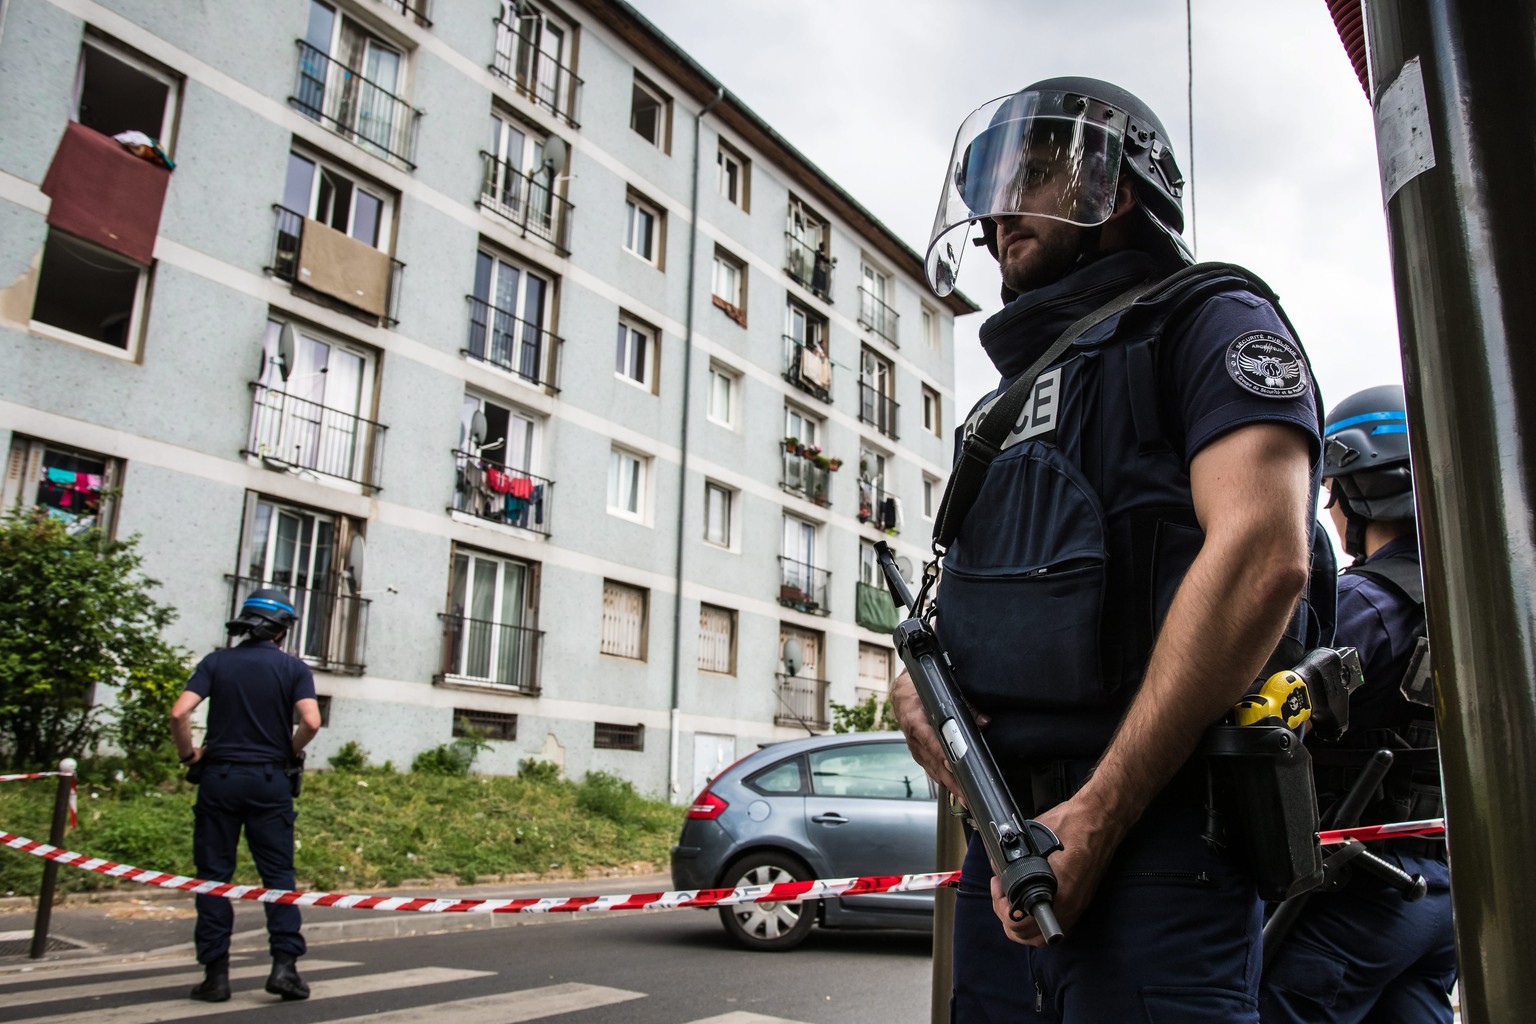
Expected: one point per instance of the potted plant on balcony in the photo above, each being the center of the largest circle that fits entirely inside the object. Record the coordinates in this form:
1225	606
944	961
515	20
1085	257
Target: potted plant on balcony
792	445
822	461
834	463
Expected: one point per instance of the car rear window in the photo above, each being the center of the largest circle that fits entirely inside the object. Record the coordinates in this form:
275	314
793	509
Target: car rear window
881	770
784	777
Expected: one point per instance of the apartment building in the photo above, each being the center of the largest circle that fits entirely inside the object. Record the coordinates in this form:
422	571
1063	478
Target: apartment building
563	395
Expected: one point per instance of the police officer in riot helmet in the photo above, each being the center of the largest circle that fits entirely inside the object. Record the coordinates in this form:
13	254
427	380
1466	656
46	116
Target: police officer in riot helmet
1363	952
1134	556
247	772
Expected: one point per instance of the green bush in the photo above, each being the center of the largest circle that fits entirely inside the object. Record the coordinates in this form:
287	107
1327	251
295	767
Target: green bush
608	796
450	759
536	770
868	715
350	758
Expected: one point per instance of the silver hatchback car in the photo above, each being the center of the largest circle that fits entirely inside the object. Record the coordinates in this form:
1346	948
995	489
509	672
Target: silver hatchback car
820	807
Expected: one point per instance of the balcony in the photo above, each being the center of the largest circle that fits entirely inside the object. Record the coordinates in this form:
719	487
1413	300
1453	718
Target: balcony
873	608
536	74
339	269
809	267
881	510
331	628
804	476
802	702
419	10
877	316
490	654
500	339
807	368
877	409
802	587
295	433
360	111
488	490
525	201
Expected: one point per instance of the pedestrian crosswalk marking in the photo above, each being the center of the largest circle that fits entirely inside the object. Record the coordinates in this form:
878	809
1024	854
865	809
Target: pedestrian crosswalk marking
97	989
743	1017
50	969
511	1007
336	988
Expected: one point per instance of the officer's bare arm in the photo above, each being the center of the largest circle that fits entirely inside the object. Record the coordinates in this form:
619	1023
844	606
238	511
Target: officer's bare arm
309	723
181	725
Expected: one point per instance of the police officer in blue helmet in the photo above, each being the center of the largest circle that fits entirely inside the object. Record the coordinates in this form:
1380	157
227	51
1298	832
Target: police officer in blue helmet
1138	553
1363	952
247	770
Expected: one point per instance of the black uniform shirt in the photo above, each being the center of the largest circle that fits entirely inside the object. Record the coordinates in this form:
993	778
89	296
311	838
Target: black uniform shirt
251	691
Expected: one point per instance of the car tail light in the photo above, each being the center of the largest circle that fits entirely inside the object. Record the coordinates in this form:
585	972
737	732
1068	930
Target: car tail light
706	806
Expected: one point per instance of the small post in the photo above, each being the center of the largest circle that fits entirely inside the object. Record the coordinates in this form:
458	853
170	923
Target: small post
51	867
950	855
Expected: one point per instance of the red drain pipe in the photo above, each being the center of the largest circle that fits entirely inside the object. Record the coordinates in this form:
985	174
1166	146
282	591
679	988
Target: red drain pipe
1346	18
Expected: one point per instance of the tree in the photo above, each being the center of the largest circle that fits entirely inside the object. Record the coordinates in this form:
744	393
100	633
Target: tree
76	613
868	715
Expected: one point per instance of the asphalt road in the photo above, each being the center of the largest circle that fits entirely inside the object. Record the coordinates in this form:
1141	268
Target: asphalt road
673	967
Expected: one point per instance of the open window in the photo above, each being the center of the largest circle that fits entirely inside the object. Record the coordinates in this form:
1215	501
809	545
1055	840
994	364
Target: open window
644	230
734	177
635	354
650	113
534	53
494	463
523	179
351	81
627	482
117	90
77	487
875	296
729	286
489	634
807	362
806	241
89	294
877	391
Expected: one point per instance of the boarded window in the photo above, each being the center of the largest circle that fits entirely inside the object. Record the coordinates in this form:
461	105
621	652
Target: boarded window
874	671
624	620
608	736
717	639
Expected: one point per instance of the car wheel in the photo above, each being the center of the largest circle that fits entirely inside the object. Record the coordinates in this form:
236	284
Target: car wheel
769	927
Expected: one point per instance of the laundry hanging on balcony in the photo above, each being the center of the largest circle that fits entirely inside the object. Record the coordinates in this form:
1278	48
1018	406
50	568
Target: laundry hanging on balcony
105	194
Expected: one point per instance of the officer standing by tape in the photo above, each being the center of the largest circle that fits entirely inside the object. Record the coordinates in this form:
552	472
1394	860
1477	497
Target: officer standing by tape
1363	952
247	773
1136	551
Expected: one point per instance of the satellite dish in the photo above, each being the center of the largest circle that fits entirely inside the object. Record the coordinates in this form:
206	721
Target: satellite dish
287	341
794	658
904	566
355	552
555	153
477	428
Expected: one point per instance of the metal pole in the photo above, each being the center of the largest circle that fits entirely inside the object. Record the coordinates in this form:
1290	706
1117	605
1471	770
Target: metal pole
51	867
1453	83
950	851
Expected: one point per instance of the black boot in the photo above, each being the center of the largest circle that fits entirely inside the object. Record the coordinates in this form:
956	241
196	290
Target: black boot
284	980
214	987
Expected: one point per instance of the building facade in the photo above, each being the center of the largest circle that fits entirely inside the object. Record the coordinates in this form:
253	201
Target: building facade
561	393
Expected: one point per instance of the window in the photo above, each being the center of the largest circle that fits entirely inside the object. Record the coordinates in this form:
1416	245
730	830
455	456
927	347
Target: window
875	311
869	566
323	702
802	426
874	672
807	363
880	770
643	230
877	388
338	199
801	584
487	631
117	91
348	80
494	462
313	415
362	276
717	514
932	421
717	640
730	286
531	54
723	388
930	329
488	725
503	435
626	483
635	354
76	487
607	736
876	505
89	293
624	620
805	257
310	556
931	496
650	114
802	694
519	184
507	316
733	180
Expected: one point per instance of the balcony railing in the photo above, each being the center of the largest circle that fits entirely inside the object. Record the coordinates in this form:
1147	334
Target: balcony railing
358	110
810	267
484	653
332	624
802	586
803	477
526	201
879	508
418	9
807	368
536	74
877	316
499	338
877	409
802	702
289	264
299	434
489	490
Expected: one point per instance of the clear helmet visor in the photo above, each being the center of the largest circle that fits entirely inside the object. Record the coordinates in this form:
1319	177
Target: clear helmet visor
1010	159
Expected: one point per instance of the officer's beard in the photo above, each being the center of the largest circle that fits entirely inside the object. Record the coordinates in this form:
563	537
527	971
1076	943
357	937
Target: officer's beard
1054	255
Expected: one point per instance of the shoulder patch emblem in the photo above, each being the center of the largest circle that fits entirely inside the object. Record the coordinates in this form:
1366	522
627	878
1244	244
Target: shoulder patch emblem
1267	365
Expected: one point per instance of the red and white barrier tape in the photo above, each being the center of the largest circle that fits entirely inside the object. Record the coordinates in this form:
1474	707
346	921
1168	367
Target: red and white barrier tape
1399	830
74	789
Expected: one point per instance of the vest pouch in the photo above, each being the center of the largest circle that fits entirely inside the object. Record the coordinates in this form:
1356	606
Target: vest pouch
1264	805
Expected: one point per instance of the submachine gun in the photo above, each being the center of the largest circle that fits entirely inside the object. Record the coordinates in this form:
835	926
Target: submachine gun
1017	846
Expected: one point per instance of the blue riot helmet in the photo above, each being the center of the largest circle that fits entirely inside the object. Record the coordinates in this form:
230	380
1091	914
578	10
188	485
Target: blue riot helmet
1055	149
1365	460
265	614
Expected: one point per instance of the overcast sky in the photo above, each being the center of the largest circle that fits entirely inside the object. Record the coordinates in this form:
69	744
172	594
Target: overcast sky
1284	177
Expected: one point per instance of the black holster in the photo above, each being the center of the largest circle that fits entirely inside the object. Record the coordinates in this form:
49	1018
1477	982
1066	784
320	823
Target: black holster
1263	805
295	773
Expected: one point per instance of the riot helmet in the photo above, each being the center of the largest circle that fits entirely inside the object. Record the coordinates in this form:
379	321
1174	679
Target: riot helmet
1055	149
1365	460
266	614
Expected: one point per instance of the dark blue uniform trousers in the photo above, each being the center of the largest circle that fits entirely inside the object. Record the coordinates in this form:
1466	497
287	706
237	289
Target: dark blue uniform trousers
1364	954
256	797
1172	935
